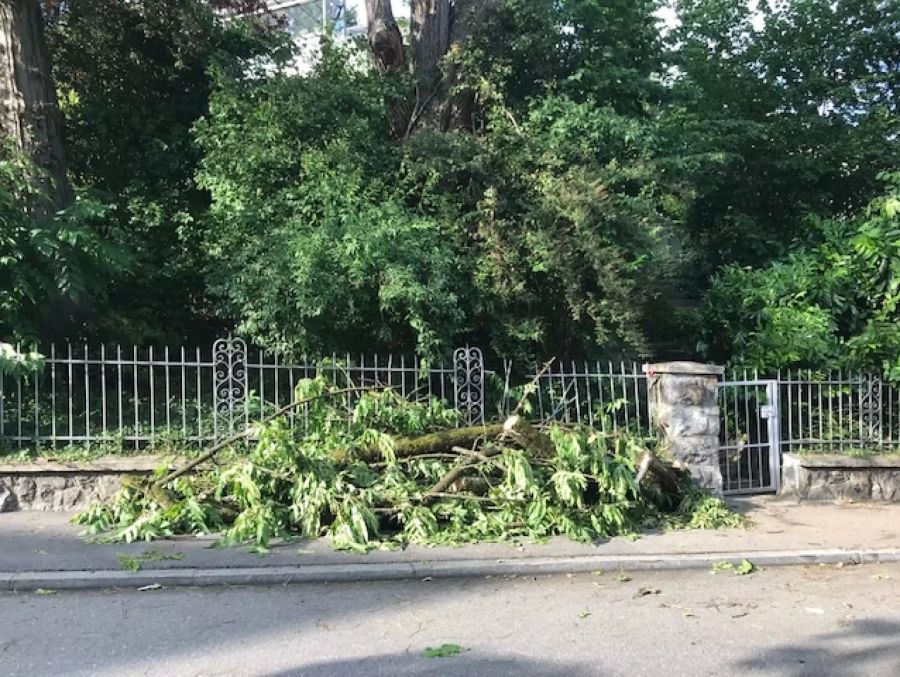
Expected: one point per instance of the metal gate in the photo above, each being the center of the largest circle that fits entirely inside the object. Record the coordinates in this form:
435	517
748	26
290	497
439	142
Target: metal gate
750	436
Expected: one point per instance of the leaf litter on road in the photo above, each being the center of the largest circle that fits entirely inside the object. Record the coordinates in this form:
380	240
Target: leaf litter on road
743	568
442	651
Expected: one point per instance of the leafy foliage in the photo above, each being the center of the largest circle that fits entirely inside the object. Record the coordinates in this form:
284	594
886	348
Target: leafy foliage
536	232
605	178
15	363
833	302
133	78
605	52
315	483
442	651
778	111
47	268
743	568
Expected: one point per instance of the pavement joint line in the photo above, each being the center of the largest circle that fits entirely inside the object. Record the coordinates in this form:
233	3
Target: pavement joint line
24	581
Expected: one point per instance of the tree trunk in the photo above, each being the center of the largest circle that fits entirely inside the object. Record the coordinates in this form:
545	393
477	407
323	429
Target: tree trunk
29	114
669	478
385	41
436	27
429	38
460	109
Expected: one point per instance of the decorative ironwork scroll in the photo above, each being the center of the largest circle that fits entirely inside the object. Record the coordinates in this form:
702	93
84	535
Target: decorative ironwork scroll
870	404
229	386
468	367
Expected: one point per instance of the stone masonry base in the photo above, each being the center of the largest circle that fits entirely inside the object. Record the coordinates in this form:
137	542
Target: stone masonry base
66	486
829	478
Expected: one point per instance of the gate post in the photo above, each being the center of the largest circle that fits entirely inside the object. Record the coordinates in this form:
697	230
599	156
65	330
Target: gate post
773	424
685	411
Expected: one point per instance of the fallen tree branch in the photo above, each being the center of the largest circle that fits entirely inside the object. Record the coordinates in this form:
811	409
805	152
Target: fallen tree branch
470	453
515	427
532	383
528	437
216	448
430	443
667	476
456	473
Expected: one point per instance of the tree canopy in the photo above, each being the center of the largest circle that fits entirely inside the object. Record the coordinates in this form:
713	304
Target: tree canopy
570	177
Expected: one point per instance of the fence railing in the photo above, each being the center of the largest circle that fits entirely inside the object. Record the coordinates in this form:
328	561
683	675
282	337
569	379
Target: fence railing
838	412
609	396
139	397
819	411
147	397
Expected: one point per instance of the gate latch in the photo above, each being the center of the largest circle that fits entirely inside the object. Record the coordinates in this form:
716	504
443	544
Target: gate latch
766	411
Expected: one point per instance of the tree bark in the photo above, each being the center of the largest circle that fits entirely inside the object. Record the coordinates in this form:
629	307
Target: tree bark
459	111
385	40
442	440
668	477
436	28
29	114
429	39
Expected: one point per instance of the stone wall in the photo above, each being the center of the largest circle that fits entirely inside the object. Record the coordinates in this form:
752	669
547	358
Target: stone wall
683	403
830	478
66	486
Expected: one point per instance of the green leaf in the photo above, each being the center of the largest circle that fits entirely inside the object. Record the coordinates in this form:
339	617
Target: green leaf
443	651
745	567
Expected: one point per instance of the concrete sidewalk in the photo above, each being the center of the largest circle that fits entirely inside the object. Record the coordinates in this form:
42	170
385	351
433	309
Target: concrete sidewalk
43	550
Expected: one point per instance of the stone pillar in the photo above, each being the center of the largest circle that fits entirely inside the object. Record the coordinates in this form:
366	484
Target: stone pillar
685	411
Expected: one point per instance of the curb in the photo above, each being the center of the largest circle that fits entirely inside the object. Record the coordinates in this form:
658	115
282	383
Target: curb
392	571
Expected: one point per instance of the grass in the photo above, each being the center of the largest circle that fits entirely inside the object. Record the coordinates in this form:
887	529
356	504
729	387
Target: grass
852	452
84	453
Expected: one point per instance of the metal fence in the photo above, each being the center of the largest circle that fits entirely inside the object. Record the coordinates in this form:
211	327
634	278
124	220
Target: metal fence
838	412
609	396
749	433
149	397
800	411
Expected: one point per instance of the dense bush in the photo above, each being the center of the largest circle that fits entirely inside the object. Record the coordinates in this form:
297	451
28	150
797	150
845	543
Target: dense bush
325	234
133	78
606	182
833	302
48	268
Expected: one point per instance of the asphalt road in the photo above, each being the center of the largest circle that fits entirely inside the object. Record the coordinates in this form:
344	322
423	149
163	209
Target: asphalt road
790	622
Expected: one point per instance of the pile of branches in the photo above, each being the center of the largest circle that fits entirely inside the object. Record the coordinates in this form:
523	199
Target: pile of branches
398	472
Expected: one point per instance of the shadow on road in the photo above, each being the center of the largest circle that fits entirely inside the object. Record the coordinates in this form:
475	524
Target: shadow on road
864	647
189	631
474	664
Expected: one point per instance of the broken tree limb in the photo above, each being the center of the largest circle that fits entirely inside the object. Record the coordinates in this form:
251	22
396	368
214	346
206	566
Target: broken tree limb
456	472
430	443
531	386
515	428
668	477
528	437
